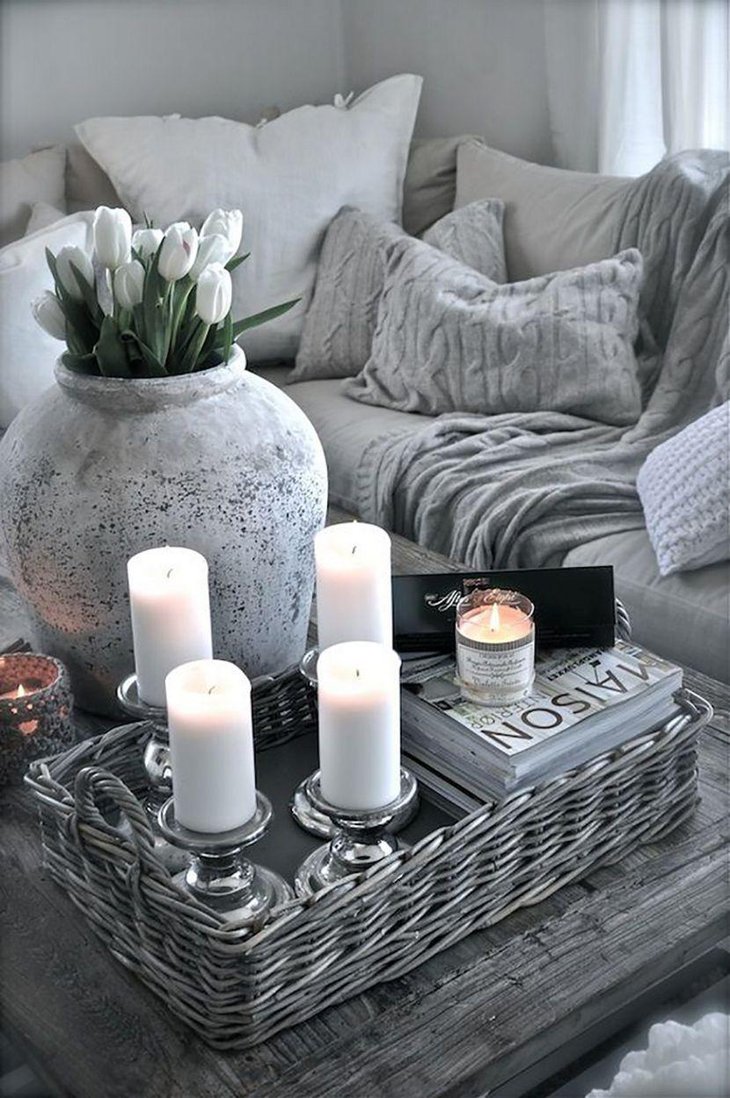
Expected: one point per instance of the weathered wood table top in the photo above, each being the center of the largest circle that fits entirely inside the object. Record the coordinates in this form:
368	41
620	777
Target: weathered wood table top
488	1016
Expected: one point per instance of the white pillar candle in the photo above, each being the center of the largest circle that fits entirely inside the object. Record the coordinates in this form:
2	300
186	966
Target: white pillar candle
359	724
354	594
170	607
211	745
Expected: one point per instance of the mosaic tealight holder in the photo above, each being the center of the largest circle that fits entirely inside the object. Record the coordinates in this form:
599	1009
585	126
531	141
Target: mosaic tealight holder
35	711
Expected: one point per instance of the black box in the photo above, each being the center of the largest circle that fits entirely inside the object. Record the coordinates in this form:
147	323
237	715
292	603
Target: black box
573	606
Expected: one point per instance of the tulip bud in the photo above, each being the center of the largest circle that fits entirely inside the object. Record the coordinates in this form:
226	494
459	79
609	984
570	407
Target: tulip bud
146	242
129	284
112	237
65	258
227	223
49	314
178	252
211	249
213	294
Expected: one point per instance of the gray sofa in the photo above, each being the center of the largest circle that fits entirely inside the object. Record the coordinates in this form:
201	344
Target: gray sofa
554	220
684	617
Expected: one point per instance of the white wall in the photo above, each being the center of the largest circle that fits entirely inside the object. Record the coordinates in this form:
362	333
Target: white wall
483	62
65	60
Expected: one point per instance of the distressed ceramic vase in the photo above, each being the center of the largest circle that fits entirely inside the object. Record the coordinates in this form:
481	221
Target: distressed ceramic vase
99	468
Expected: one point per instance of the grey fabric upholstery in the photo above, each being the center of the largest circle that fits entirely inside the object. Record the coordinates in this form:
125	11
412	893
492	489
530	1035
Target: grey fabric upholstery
345	428
450	340
684	617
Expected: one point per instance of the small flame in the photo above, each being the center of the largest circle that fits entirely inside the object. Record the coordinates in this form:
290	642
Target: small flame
21	691
494	618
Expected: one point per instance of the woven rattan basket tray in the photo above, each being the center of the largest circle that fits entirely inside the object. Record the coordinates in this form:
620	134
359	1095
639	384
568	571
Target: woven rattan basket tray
237	986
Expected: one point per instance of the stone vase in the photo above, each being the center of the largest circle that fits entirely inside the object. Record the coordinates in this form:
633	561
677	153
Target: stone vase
99	468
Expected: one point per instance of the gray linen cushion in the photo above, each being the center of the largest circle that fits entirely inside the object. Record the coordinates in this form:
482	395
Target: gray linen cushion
555	219
430	184
340	321
684	487
447	339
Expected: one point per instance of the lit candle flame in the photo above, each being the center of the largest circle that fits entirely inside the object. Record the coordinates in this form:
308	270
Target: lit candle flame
494	618
21	691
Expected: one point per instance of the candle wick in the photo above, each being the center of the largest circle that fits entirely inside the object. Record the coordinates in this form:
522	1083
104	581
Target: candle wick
357	673
353	549
169	572
211	689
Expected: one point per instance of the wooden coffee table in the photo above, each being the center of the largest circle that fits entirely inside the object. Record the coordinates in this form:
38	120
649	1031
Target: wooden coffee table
496	1014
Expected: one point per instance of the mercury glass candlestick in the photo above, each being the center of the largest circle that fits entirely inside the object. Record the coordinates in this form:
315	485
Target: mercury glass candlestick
362	837
218	875
157	766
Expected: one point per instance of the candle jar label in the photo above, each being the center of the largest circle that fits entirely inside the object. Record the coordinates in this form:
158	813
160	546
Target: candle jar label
496	667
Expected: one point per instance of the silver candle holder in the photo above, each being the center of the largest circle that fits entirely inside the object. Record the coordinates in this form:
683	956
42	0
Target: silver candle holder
157	767
361	837
305	812
218	875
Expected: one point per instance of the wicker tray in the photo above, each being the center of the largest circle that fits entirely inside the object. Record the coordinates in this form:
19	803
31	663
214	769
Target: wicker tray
238	986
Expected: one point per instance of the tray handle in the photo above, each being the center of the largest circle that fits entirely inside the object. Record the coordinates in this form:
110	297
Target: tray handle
94	784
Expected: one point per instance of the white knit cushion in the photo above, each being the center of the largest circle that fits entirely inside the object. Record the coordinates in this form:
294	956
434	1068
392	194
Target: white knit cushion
684	487
289	176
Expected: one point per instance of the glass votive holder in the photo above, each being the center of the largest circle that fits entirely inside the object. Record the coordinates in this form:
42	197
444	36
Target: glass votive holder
495	646
35	711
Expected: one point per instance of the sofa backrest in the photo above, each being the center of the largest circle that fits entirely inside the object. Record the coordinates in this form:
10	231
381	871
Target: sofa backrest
554	219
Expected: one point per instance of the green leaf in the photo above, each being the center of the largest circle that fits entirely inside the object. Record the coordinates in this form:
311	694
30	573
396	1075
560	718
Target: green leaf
236	261
227	337
90	298
80	364
131	340
153	306
261	318
111	354
187	364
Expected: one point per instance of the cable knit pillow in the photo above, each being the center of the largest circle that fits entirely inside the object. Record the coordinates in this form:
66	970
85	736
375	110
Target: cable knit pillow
339	325
684	487
447	339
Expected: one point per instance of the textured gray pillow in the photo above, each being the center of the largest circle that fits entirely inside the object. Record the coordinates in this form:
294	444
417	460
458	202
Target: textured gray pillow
340	321
473	235
447	339
684	486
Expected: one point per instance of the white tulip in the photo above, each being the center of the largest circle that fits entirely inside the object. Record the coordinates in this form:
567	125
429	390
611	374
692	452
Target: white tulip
112	237
211	249
146	242
129	284
213	294
49	314
178	252
65	258
227	223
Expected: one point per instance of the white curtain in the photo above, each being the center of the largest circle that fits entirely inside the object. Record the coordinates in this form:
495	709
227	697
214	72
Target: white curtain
632	80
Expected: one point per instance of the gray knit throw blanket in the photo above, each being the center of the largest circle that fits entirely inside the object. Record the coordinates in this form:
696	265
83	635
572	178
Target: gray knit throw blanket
521	490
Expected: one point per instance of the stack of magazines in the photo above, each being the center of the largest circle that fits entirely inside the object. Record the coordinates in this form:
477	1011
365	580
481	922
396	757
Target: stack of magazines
584	702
